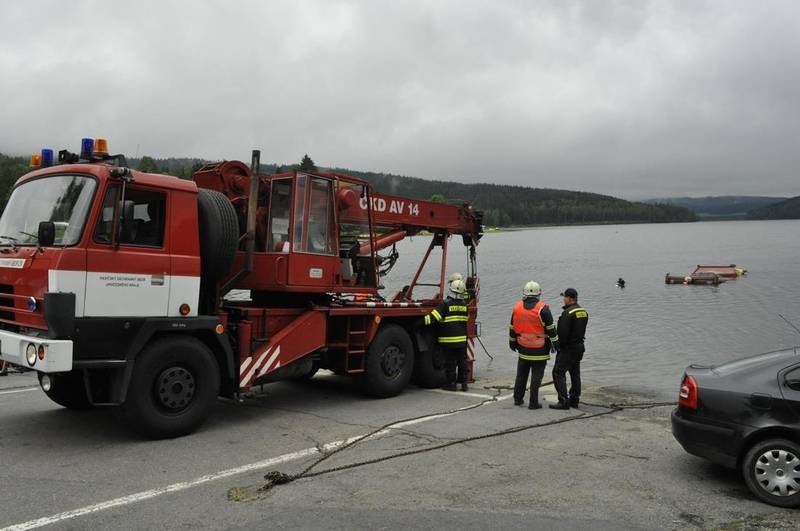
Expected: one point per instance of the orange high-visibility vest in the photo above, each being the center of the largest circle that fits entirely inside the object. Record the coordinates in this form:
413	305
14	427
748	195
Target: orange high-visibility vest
528	325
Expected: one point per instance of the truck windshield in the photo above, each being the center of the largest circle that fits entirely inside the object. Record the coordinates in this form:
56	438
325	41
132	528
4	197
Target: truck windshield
62	199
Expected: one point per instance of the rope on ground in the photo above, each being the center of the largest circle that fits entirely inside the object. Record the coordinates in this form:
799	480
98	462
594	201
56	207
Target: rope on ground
279	478
275	478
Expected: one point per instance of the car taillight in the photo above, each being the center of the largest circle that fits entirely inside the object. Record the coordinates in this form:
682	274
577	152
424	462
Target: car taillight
688	395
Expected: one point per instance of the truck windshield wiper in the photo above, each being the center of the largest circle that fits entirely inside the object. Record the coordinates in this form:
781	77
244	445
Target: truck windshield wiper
12	240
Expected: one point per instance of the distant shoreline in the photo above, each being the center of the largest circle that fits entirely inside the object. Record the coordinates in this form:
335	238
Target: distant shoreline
592	224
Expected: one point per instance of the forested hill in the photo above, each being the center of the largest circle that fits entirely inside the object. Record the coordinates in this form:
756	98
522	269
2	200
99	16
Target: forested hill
788	209
722	206
504	205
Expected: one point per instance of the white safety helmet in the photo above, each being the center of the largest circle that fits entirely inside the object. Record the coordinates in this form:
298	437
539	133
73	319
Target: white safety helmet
455	276
458	288
532	289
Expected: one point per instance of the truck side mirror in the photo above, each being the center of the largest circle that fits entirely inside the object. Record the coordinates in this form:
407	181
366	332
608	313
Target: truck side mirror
126	222
47	233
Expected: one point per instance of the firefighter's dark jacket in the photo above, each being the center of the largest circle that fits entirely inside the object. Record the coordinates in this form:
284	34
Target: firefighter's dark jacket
535	354
450	318
572	327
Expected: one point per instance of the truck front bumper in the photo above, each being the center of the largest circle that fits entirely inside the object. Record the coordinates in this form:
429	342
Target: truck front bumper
56	354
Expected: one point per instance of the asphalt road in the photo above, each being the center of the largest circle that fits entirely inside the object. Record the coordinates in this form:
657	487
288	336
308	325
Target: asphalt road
84	470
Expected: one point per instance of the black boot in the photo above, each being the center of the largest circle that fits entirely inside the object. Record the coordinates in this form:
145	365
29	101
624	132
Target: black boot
561	405
517	402
450	386
534	405
464	386
574	402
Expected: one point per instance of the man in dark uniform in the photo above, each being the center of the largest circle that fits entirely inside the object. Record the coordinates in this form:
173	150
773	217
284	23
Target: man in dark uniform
571	331
532	334
451	334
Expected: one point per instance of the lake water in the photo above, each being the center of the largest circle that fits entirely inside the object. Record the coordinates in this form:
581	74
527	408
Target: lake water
643	336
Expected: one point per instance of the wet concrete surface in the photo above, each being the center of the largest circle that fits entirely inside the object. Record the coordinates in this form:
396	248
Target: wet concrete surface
617	471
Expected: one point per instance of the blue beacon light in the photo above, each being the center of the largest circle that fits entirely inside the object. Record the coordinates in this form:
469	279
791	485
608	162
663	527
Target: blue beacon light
47	157
87	148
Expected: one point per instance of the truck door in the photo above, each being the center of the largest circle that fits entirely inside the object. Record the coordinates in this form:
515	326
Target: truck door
130	275
314	259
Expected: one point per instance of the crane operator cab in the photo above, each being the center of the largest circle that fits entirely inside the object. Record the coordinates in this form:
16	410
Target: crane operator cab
315	233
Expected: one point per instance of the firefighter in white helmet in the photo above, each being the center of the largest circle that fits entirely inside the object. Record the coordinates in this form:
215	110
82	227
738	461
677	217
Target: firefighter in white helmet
532	334
458	276
451	318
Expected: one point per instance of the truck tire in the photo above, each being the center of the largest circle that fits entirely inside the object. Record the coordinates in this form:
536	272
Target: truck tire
771	470
174	385
219	234
429	369
389	364
68	390
308	374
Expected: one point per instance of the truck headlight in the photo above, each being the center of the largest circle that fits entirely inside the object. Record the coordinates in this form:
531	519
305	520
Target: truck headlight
30	354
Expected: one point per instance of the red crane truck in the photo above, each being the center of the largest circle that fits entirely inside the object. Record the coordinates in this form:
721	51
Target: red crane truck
115	285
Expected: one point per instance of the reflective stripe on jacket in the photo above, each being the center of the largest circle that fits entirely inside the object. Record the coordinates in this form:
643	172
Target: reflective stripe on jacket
528	326
531	327
451	318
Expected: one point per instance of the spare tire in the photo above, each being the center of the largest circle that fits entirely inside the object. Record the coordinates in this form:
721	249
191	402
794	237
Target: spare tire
219	234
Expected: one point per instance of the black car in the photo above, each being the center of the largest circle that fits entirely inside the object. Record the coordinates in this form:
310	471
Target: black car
746	414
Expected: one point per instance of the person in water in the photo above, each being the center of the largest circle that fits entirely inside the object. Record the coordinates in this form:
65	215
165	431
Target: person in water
621	282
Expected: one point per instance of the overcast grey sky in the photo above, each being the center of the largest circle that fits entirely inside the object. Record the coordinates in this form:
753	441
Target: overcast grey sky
629	98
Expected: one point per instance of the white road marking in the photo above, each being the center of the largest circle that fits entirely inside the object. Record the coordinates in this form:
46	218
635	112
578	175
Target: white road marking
479	395
175	487
184	485
25	390
460	393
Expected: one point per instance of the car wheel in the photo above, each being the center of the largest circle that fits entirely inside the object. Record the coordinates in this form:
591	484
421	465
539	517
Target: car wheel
175	383
772	472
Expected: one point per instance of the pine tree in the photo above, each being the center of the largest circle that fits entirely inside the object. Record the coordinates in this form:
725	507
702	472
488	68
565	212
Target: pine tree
307	164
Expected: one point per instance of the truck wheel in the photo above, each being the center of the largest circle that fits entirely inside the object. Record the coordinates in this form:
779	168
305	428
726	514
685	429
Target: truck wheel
68	390
771	470
390	363
219	234
429	369
304	377
175	383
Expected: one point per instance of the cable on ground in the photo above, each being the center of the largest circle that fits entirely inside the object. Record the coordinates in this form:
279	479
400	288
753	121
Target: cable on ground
275	478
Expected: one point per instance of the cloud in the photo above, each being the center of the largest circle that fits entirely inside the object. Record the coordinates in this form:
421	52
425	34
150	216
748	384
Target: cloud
629	98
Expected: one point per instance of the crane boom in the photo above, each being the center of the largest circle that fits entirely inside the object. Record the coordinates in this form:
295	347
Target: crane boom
405	216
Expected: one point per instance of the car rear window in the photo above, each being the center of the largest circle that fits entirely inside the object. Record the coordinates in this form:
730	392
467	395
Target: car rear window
752	362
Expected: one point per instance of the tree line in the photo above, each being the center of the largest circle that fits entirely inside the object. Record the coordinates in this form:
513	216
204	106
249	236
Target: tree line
503	205
787	209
